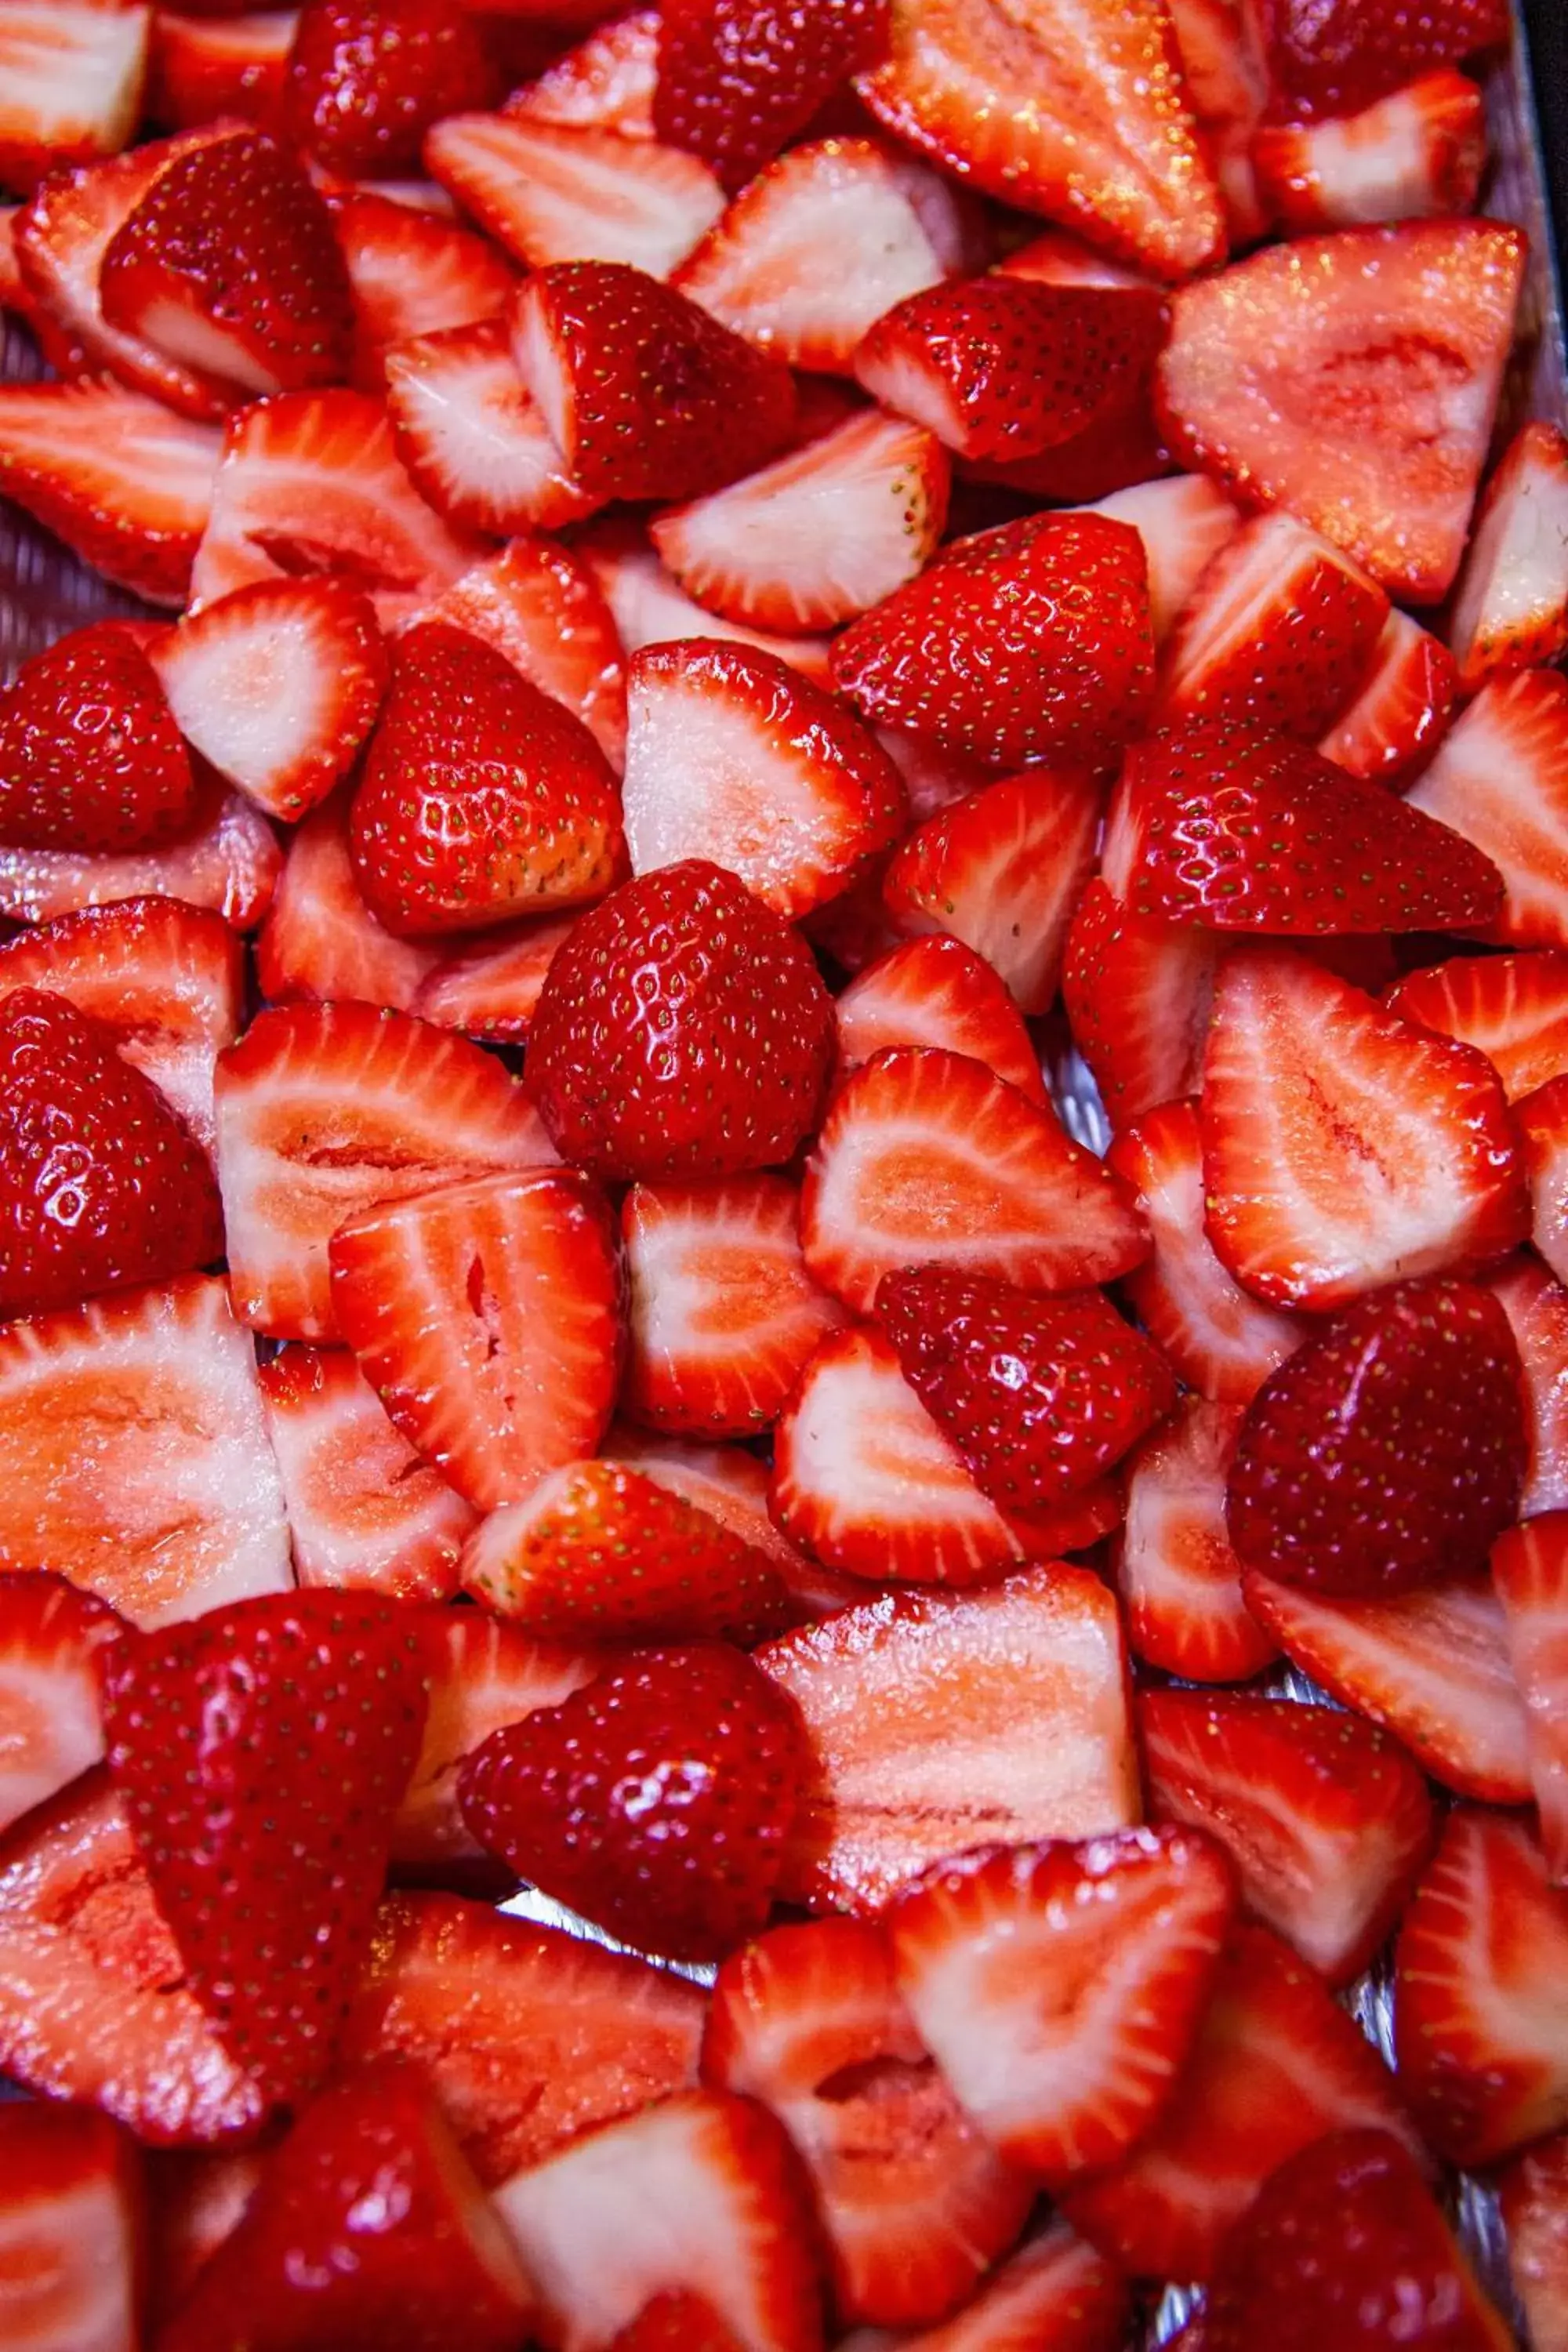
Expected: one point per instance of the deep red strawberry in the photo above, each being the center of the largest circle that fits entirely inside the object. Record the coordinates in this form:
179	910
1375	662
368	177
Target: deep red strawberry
89	756
1333	59
737	82
1401	708
366	78
934	991
656	1800
72	2226
1514	1008
681	1031
541	605
1137	994
1533	2194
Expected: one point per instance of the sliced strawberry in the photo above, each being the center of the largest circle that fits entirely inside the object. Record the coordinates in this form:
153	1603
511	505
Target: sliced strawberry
1401	710
1480	1991
1137	995
824	242
548	192
1534	2199
1184	523
227	865
1302	377
540	605
1542	1123
1397	1157
1414	156
490	989
1178	1577
821	534
651	608
412	274
127	486
1276	2066
91	757
473	437
1333	59
312	483
203	69
934	991
924	1156
1510	607
914	2204
928	1734
530	2036
50	1633
1431	1666
71	2253
1536	1305
1529	1568
1501	778
606	83
1220	46
320	939
72	79
367	78
1512	1008
734	86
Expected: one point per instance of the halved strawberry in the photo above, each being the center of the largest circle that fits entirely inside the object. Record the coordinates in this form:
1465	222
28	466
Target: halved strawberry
821	534
50	1632
1276	2066
205	70
91	757
312	483
325	1110
227	865
549	193
472	436
1184	523
1333	59
651	607
126	485
1401	710
1413	155
1533	2193
1510	606
320	939
412	274
489	990
1480	1998
540	603
71	78
935	992
1536	1305
1136	996
925	1156
1180	1580
1301	377
606	83
914	2204
1303	1215
1530	1569
72	2221
1501	778
366	82
1512	1008
1542	1123
1431	1666
926	1734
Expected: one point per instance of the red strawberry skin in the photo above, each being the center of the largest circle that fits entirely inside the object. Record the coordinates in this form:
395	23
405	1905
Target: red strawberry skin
1338	58
656	1800
1389	1450
738	81
89	758
682	1030
366	78
100	1184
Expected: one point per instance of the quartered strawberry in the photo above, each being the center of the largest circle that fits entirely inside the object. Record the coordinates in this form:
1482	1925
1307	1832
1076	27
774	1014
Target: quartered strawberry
490	989
50	1634
473	437
1301	377
1060	1987
1415	154
732	1485
914	2204
934	991
72	2223
364	2225
735	84
530	2036
698	2206
1030	642
205	70
540	603
1530	1569
227	865
723	1313
412	274
126	485
320	939
1513	1008
1333	59
606	83
1401	710
324	1110
1327	1822
366	78
1184	522
1533	2194
927	1735
1136	990
1479	1994
682	1030
1501	778
651	608
72	79
924	1156
91	757
1180	1580
487	1315
1276	2066
1510	606
1346	2244
548	192
1536	1305
820	535
1397	1157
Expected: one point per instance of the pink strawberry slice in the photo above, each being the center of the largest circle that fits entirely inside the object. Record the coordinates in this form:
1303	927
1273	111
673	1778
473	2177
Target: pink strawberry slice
934	991
319	939
1530	1569
651	608
73	88
72	2225
606	83
550	193
1513	1008
1501	778
735	84
91	757
1418	154
472	436
413	274
127	486
1136	992
1510	606
490	991
1179	1578
227	864
50	1634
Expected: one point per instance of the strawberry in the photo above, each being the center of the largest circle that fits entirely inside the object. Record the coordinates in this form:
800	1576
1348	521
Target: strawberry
1219	1338
50	1633
723	1315
606	83
914	2204
651	608
72	2230
1401	710
472	438
209	1727
1043	628
1501	778
1536	1305
1137	993
1414	156
922	1711
487	1315
1006	367
203	69
735	84
490	989
594	339
821	243
325	1110
1408	1166
1335	59
365	2226
732	1485
366	78
277	687
1542	1123
1276	2066
1432	1666
549	193
1060	1987
1180	1580
90	758
320	939
1510	606
1530	1569
825	532
1388	1450
312	483
412	275
656	1800
1478	1997
1039	1395
1054	2290
924	1156
1184	523
227	865
1301	377
1345	2244
229	264
1327	1822
1075	113
699	2204
933	992
541	605
1003	870
124	484
1533	2194
72	79
734	759
557	2035
678	974
364	1513
1512	1008
1219	44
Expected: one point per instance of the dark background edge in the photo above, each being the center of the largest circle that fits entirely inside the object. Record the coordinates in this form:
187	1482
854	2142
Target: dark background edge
1546	24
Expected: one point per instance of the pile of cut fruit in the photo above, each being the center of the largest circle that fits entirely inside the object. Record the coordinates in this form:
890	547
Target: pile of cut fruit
783	1184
